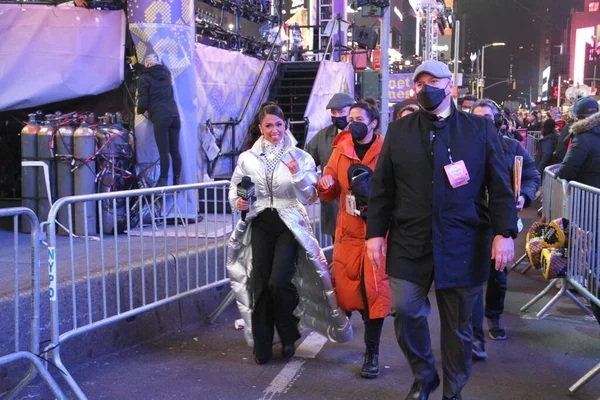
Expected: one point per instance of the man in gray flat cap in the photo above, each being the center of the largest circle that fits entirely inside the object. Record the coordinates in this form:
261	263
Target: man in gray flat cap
320	148
428	197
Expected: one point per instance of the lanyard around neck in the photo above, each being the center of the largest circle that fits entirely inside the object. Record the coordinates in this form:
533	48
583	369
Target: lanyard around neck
432	137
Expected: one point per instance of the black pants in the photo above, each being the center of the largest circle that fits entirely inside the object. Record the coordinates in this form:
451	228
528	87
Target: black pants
166	135
494	300
274	250
373	327
411	308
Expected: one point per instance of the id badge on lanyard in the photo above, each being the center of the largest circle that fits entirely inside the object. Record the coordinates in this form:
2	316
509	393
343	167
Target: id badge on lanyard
457	172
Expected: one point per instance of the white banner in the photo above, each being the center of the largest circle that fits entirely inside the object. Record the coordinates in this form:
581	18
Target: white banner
49	54
223	86
333	77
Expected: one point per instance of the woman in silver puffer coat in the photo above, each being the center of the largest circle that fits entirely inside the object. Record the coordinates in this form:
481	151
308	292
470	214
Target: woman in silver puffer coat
278	272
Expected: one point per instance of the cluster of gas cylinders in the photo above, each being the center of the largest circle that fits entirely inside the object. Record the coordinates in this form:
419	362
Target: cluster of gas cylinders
83	155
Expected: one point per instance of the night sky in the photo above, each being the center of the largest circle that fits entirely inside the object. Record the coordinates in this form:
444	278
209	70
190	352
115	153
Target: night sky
508	21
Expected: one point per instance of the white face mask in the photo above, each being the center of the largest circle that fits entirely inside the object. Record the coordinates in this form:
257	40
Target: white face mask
467	110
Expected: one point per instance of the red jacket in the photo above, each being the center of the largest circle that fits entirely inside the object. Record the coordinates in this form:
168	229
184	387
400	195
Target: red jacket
350	260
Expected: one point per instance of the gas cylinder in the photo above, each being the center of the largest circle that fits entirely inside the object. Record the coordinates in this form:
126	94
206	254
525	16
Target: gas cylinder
29	196
84	148
63	156
45	153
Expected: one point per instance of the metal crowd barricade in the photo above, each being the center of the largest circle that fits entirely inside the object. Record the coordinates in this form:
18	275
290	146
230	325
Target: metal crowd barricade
557	204
153	246
583	270
554	202
533	137
33	261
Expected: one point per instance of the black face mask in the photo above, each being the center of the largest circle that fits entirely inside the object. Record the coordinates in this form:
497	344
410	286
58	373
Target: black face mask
358	130
430	97
340	122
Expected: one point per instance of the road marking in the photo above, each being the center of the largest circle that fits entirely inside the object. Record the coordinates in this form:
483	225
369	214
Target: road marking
309	348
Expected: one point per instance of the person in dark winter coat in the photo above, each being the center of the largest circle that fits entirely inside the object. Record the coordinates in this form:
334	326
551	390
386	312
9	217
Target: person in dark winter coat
562	144
546	146
533	122
320	148
497	282
155	95
441	227
582	162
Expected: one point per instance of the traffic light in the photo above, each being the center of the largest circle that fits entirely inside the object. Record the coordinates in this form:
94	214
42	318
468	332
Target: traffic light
514	85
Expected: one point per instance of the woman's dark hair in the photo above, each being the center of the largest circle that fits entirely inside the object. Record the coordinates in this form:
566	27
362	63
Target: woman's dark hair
548	127
410	107
369	104
267	108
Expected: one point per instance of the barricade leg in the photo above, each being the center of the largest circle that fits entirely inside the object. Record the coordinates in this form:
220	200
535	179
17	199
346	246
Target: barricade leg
585	379
227	301
540	295
36	366
518	262
563	290
55	357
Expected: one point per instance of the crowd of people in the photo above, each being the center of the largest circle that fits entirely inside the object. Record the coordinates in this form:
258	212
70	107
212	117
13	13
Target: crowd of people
430	204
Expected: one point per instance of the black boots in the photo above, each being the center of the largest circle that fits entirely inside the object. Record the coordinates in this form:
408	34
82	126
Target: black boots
165	181
287	351
370	367
161	182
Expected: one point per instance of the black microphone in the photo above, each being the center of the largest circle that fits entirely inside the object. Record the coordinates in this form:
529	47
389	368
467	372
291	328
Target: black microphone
245	190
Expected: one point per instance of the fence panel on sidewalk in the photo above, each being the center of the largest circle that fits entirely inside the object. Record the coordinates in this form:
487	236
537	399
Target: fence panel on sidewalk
149	247
21	326
555	199
533	137
555	204
314	214
583	269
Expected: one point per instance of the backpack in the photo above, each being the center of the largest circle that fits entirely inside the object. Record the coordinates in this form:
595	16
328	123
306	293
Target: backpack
359	177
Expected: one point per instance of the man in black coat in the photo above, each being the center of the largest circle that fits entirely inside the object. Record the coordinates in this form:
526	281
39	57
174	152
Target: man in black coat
497	282
155	95
582	162
440	226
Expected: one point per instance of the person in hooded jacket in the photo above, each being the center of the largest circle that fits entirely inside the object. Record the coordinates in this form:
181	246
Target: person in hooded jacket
546	146
582	162
497	282
359	286
155	96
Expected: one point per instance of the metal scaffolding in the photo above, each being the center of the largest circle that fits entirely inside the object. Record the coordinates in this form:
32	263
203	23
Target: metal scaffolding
430	10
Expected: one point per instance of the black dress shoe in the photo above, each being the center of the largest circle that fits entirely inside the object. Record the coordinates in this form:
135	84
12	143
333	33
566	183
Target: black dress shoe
370	368
260	361
456	397
161	182
287	351
422	390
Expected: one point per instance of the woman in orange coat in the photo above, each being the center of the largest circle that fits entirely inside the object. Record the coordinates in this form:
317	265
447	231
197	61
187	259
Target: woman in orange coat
359	285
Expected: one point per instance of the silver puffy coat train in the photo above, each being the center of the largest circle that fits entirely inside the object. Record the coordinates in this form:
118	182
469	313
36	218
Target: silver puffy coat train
317	309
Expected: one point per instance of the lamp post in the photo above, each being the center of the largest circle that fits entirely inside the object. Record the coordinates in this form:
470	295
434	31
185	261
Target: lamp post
483	62
473	57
